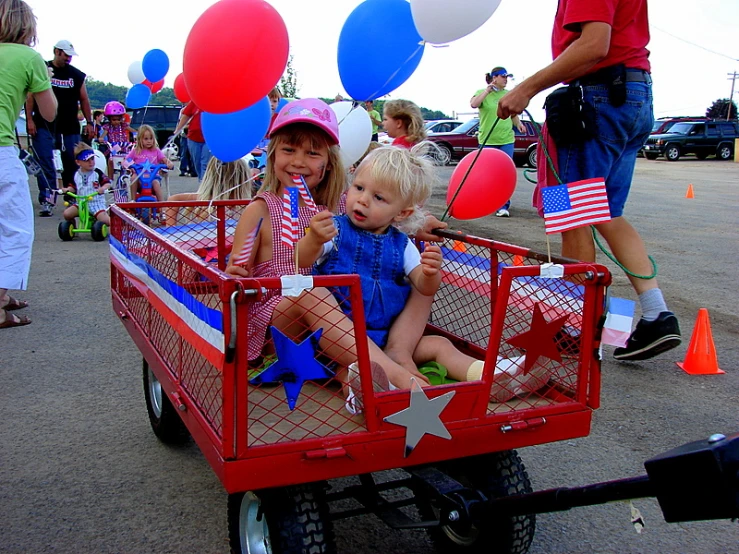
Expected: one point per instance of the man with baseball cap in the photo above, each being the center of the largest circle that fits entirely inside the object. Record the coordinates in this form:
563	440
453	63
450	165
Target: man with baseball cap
68	84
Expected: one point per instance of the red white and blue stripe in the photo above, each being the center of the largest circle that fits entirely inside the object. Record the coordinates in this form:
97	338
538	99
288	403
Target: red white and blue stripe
556	297
196	322
620	316
304	192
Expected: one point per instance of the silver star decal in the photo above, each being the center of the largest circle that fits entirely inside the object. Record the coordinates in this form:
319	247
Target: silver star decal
421	417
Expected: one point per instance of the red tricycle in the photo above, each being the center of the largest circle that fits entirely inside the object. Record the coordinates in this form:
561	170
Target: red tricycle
276	430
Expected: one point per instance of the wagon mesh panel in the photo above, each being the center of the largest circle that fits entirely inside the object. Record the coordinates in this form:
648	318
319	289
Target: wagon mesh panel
195	374
319	410
466	300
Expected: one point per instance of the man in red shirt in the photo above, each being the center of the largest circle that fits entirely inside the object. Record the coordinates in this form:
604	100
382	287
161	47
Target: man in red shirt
599	49
199	152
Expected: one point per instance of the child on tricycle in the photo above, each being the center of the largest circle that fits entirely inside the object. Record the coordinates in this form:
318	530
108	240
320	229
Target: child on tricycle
87	192
146	154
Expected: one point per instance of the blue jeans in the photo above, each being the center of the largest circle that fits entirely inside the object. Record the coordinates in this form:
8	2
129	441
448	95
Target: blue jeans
620	133
199	156
508	149
43	146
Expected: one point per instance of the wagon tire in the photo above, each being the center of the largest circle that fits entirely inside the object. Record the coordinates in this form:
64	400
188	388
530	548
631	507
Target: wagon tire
165	421
99	231
496	475
289	520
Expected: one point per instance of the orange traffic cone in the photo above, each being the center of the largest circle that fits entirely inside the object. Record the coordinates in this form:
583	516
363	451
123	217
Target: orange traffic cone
690	194
459	246
701	356
517	260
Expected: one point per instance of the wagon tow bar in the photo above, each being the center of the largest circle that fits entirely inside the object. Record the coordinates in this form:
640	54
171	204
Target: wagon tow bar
694	482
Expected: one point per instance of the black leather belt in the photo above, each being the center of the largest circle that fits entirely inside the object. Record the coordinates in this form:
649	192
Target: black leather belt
603	78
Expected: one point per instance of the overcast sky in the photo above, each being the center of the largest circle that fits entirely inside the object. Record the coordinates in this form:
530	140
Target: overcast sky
108	36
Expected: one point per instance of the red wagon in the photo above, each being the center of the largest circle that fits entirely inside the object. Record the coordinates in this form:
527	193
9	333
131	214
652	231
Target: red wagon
536	326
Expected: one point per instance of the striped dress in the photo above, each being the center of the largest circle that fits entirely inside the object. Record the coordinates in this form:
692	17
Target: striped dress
282	263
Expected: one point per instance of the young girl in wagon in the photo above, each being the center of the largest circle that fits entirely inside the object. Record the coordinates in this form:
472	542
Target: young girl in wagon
304	143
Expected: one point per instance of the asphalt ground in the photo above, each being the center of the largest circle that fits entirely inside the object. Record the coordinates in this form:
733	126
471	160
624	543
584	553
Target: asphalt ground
81	471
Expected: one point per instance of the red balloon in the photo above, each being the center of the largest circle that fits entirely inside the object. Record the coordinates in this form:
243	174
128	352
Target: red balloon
180	89
489	184
154	87
234	55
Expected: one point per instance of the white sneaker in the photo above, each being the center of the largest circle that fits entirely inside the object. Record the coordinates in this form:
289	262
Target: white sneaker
502	213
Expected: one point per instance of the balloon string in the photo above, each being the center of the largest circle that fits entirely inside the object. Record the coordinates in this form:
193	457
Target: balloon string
375	94
479	150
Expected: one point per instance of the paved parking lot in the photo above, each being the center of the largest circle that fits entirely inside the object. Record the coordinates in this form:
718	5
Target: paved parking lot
81	471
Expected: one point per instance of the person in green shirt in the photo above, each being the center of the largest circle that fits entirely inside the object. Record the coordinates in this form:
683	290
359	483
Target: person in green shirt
374	118
23	72
502	136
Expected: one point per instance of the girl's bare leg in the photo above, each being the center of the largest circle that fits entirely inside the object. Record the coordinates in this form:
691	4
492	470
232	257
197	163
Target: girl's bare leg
408	329
441	350
318	309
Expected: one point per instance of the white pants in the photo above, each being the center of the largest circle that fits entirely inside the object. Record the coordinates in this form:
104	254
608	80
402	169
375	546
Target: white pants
16	221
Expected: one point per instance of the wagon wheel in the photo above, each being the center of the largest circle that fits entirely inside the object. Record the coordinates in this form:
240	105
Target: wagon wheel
164	419
290	520
495	475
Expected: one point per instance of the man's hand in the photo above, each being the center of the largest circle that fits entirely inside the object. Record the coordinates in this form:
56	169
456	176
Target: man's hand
322	227
513	103
431	260
30	127
429	225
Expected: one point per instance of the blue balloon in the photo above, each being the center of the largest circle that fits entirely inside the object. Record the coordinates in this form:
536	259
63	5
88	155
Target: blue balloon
281	103
137	96
367	77
230	136
155	65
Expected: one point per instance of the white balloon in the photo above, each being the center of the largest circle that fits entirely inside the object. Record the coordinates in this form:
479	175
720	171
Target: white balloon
442	21
136	73
355	131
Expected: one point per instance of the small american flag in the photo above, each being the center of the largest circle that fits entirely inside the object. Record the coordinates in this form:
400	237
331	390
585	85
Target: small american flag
304	192
575	205
289	227
120	192
243	258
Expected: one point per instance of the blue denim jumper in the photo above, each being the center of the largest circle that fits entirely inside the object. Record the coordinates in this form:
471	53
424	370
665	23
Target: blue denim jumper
378	260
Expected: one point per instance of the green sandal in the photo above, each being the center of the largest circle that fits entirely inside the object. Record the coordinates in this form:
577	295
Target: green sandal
436	373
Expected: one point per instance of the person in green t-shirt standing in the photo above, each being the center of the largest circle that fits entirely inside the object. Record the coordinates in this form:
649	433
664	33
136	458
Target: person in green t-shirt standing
23	72
502	136
374	117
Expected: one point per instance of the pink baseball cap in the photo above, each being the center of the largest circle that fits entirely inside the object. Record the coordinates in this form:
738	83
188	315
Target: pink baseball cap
308	110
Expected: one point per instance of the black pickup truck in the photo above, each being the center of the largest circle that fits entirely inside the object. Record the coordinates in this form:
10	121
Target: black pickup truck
702	138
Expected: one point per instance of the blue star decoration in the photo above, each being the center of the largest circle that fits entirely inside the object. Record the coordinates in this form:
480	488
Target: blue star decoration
421	417
295	364
540	339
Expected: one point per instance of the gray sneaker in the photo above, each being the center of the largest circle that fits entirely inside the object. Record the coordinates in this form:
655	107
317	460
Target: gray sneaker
47	210
651	338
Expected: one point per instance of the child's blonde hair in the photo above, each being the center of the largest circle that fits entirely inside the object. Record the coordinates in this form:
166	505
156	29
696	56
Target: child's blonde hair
225	181
410	114
275	94
81	147
17	23
330	189
407	171
140	138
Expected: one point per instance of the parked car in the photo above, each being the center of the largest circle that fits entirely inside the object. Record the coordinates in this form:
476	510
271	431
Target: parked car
441	125
162	118
702	138
663	124
456	144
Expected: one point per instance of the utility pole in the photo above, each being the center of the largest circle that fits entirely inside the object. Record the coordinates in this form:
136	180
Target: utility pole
732	77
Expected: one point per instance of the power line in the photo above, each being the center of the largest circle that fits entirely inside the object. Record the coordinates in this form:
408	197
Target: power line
694	44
